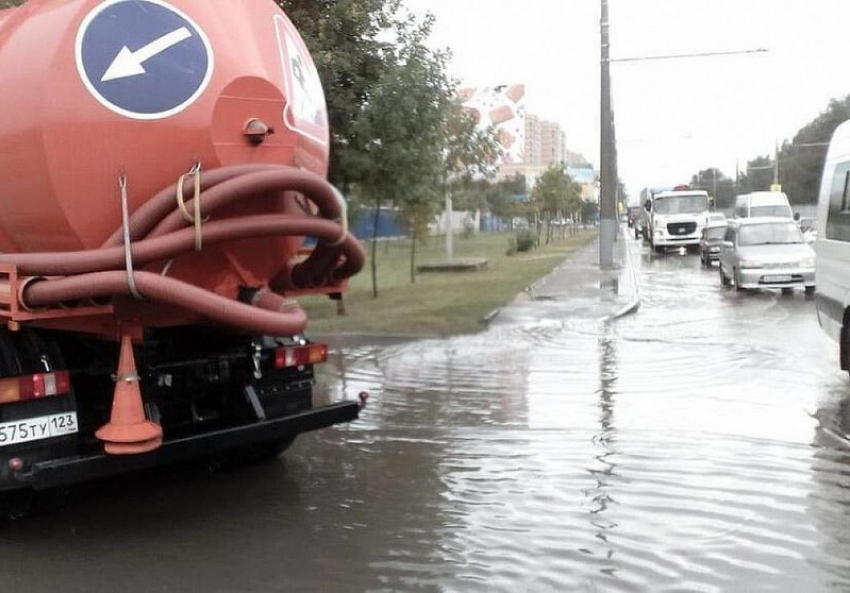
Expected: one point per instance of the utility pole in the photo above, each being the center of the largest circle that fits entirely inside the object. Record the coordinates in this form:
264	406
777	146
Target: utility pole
449	208
714	187
607	166
776	186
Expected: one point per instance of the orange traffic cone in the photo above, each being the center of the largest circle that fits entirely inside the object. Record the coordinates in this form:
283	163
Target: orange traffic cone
128	431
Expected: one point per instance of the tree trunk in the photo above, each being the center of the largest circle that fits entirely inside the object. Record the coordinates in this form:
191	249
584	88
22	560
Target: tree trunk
413	254
376	219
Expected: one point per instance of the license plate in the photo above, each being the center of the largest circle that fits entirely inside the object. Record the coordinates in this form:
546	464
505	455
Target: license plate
778	278
35	429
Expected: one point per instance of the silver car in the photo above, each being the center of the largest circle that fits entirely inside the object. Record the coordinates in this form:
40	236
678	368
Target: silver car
766	252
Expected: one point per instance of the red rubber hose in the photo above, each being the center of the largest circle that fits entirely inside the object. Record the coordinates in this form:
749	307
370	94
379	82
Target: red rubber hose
159	232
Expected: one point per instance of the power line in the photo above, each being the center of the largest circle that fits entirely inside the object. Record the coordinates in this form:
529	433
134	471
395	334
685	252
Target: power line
694	55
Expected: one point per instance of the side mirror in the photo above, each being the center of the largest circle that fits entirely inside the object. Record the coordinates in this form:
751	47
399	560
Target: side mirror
797	216
647	205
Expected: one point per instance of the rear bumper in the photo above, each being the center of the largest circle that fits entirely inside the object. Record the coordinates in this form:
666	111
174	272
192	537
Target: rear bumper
70	470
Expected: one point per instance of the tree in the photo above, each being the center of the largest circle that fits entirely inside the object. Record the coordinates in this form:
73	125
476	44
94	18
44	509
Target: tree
801	160
388	96
346	41
589	211
720	187
469	152
505	199
406	124
758	175
556	195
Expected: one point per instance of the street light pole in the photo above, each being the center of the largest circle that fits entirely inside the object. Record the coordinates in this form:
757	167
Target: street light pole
775	164
607	179
714	186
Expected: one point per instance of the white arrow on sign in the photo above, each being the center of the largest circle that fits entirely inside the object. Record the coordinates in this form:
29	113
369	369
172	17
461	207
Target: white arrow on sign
129	63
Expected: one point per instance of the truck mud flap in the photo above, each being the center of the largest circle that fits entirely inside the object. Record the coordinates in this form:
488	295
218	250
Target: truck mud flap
66	471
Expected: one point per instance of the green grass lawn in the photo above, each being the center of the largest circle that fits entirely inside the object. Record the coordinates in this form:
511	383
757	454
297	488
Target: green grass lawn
441	303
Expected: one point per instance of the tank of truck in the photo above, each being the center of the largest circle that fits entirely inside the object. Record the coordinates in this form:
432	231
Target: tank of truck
114	109
163	197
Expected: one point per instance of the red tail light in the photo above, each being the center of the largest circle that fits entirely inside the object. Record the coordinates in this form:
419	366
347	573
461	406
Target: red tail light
37	386
300	355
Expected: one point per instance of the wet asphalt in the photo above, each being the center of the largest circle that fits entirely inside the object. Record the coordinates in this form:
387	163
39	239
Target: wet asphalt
632	429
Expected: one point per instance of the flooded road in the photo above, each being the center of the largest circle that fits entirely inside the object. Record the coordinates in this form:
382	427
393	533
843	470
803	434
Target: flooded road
697	445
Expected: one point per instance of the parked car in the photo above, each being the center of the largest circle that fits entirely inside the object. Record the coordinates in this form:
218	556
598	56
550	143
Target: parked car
709	243
766	252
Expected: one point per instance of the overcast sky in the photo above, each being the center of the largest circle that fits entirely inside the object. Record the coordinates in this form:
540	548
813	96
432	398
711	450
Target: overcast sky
672	116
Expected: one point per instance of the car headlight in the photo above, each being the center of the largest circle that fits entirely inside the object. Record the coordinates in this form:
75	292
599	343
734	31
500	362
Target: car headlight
750	263
808	262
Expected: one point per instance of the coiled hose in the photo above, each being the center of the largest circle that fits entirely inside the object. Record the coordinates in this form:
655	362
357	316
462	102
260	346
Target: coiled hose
158	231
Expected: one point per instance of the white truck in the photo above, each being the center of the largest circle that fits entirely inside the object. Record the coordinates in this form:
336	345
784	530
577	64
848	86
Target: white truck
762	203
676	218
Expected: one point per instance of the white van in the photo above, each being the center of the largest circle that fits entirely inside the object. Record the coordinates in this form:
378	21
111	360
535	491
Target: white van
762	203
833	243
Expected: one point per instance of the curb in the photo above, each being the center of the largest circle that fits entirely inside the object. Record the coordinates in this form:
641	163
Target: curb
634	302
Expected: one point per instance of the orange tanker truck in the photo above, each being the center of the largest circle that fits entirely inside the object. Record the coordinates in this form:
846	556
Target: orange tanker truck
162	168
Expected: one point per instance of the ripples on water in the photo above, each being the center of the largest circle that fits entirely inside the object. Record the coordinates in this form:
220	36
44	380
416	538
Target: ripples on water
700	445
669	451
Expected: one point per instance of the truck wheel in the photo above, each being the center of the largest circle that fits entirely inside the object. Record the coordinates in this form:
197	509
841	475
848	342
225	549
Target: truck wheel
274	449
25	503
844	347
250	454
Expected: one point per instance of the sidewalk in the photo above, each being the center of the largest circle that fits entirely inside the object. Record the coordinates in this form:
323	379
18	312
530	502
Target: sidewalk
580	288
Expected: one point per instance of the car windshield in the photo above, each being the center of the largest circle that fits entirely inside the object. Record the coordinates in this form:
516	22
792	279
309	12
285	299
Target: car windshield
715	232
681	205
776	210
771	233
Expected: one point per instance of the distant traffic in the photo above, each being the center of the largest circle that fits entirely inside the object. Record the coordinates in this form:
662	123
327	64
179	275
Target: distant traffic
764	244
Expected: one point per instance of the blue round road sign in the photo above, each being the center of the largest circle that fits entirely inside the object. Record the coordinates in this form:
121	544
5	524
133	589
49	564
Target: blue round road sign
143	58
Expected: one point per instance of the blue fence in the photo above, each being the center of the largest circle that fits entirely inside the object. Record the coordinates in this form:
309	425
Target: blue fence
388	225
491	223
